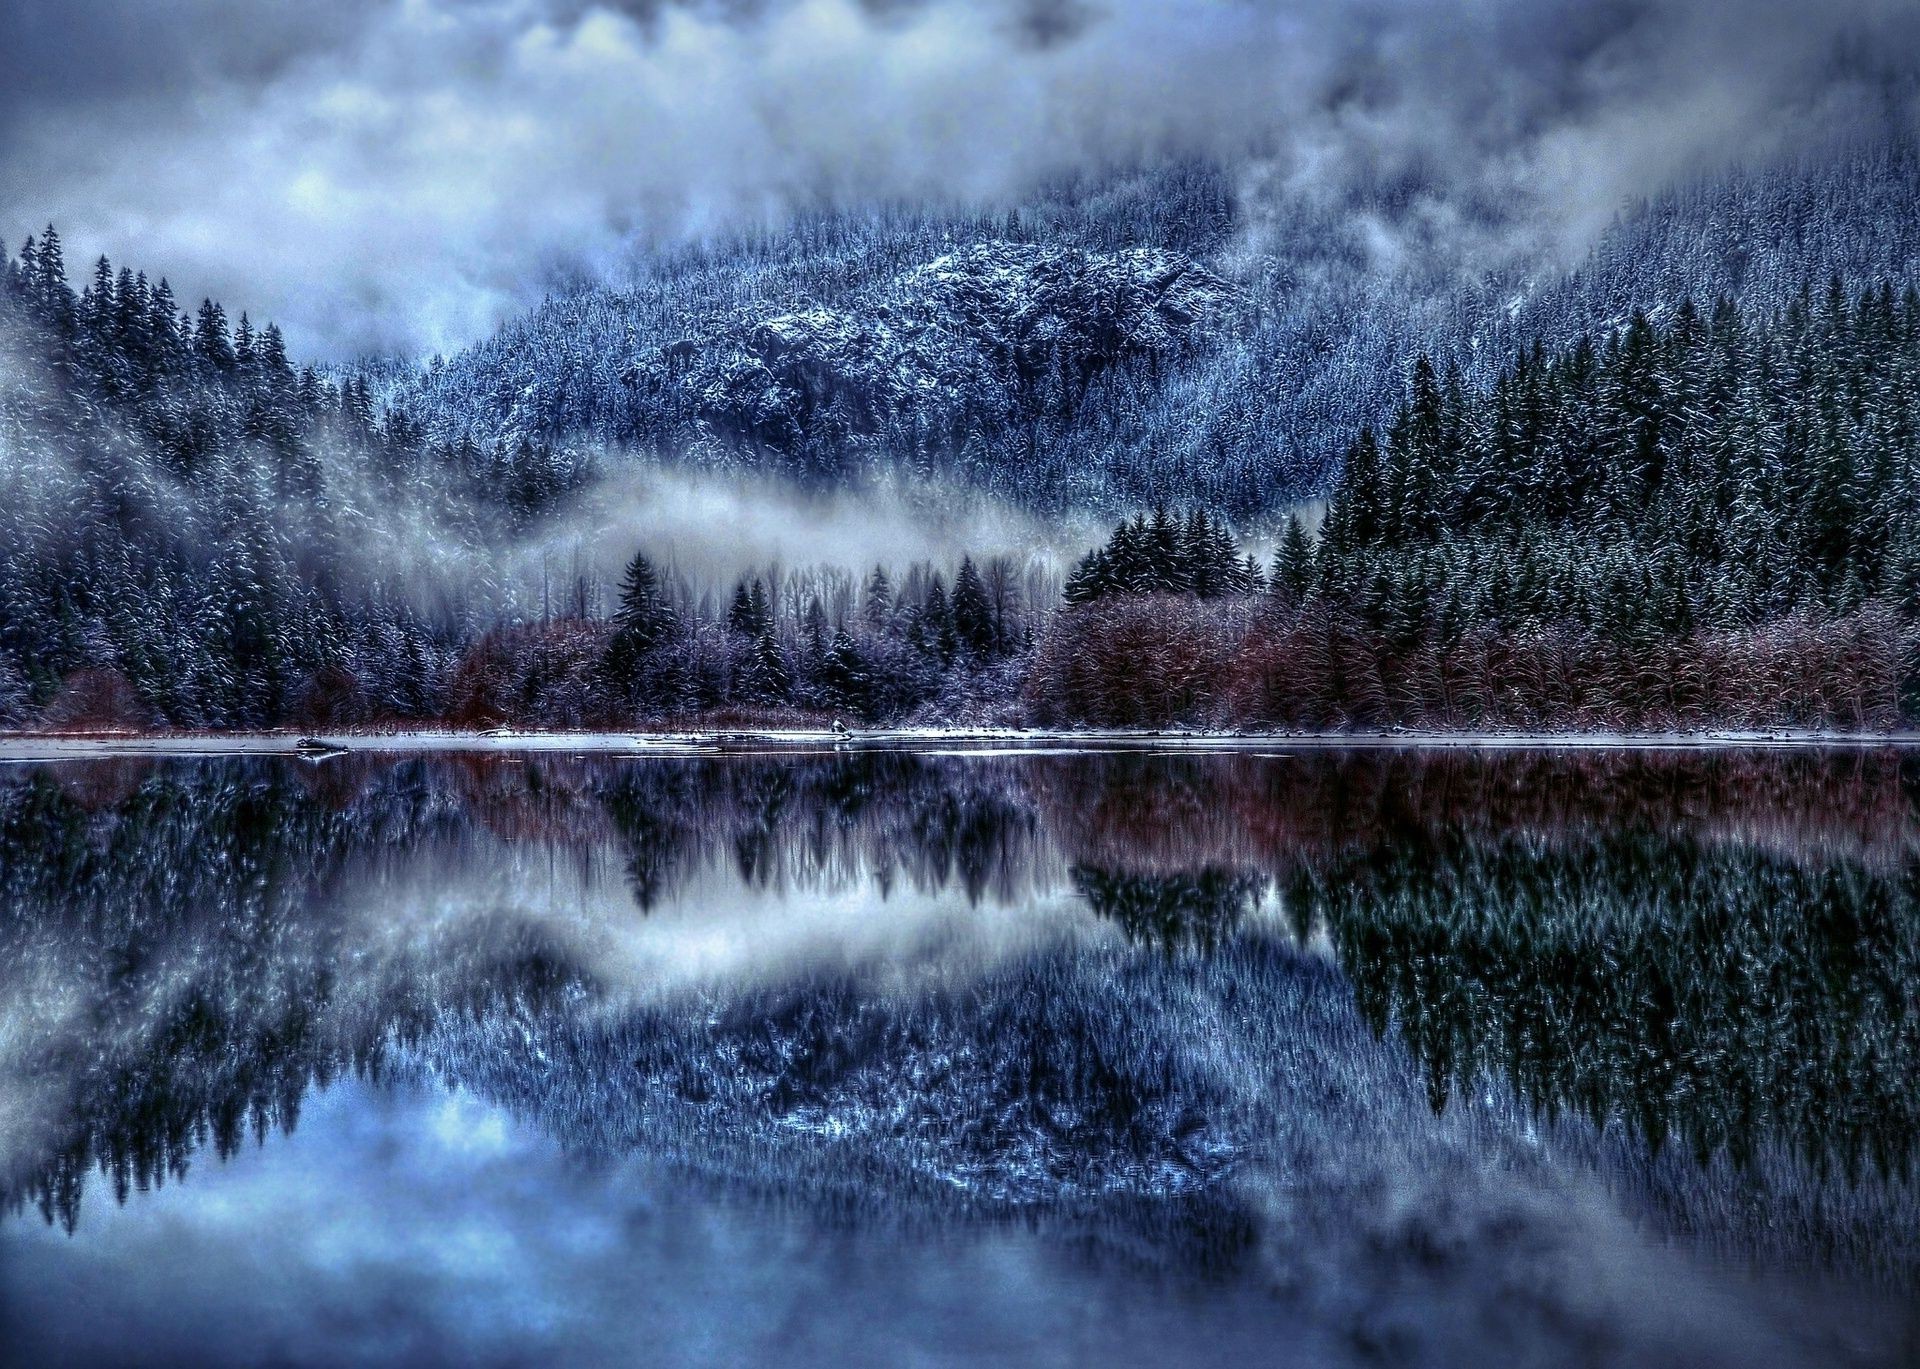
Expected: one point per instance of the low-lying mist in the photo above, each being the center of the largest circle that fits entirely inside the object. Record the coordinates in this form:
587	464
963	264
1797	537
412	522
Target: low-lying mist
709	527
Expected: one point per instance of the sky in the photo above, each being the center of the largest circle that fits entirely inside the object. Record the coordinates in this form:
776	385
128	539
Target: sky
399	176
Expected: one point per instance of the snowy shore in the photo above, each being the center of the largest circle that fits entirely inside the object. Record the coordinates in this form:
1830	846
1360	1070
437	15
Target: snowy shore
29	747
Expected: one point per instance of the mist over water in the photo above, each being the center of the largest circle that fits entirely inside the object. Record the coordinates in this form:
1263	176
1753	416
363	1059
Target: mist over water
1114	1057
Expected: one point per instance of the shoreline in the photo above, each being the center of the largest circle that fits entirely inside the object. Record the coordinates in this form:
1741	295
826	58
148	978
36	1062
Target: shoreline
26	748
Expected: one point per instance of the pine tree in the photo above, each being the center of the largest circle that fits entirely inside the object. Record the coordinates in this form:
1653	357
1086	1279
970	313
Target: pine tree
876	607
1165	567
1090	579
1293	570
51	277
644	618
973	625
760	607
210	340
933	630
768	679
740	614
846	678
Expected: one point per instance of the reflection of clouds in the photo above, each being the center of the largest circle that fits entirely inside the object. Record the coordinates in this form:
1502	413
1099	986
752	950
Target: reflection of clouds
401	1227
378	1233
712	932
720	934
460	1124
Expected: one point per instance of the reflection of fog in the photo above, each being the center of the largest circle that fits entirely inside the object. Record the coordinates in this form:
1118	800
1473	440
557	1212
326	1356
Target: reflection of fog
712	931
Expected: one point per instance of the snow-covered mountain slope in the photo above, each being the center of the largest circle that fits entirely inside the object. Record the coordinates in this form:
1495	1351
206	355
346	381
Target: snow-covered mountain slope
942	348
1174	335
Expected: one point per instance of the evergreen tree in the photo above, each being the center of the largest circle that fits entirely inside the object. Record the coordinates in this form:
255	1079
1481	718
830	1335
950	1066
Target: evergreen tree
846	678
933	630
876	606
1293	571
210	340
973	623
644	618
741	615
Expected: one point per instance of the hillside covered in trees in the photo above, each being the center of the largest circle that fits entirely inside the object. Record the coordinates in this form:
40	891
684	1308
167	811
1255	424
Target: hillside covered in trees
1171	335
1607	500
1704	521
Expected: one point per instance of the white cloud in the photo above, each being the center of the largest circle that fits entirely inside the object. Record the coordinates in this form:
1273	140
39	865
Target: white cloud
400	174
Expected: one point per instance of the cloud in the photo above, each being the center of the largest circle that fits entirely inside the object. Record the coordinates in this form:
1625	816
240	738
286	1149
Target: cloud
399	175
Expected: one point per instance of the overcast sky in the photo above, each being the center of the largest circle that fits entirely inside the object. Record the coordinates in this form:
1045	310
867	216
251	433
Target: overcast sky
398	175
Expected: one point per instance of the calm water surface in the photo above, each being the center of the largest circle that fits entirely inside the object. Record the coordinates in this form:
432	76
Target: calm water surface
896	1058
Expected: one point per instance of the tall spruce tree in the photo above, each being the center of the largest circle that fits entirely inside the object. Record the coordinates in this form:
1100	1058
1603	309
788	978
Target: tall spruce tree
973	624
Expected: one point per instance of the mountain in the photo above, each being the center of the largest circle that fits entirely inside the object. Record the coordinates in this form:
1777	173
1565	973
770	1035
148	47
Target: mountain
1025	354
926	360
1761	236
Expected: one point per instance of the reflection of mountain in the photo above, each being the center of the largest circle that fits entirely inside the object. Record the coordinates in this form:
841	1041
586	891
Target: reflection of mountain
1720	952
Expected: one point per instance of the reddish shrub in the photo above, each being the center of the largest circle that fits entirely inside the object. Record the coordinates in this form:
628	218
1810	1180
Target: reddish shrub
96	700
1138	661
542	675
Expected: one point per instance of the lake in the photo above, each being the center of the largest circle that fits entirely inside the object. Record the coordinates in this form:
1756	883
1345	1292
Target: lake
920	1057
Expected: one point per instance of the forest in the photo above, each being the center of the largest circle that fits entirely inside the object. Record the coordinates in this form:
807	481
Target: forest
1685	512
1702	521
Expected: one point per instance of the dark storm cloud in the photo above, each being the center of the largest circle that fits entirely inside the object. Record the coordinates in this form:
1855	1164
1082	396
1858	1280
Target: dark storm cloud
398	174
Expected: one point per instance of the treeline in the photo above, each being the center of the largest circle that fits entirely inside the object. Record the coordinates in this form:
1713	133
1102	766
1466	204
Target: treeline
1166	555
1701	518
1707	519
810	647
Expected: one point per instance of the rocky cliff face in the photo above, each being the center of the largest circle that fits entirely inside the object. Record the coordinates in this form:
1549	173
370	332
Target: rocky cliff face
977	338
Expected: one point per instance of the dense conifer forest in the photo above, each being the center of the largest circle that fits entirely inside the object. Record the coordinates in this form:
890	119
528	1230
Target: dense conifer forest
1705	520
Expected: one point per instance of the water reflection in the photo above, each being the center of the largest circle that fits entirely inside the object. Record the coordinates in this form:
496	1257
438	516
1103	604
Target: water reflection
1445	1052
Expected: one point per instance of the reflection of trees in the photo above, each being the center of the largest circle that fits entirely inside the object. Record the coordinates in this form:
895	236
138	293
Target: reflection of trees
1156	812
1720	948
1723	998
180	908
808	820
203	920
196	924
197	912
1200	910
